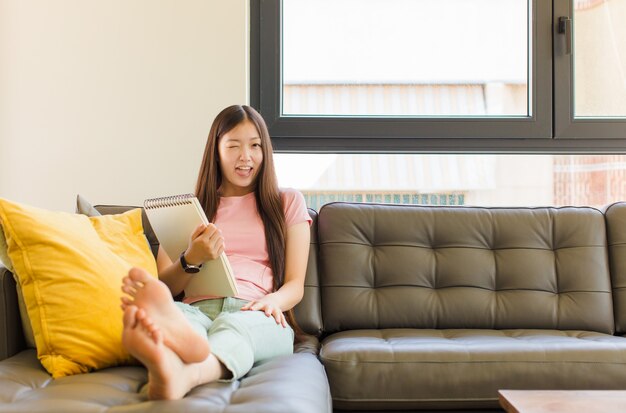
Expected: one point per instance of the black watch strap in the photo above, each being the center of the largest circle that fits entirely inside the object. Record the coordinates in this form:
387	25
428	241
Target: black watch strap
188	268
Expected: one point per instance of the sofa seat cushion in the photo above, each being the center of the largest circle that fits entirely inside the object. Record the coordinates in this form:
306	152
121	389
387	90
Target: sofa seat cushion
423	368
294	383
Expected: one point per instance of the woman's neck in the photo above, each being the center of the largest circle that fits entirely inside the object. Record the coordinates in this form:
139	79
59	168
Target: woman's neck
234	192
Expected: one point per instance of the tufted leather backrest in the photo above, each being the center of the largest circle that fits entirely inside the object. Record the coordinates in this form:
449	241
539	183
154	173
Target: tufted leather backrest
395	266
308	312
616	235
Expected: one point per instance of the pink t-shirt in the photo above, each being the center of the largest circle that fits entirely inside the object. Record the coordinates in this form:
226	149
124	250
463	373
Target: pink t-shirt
244	239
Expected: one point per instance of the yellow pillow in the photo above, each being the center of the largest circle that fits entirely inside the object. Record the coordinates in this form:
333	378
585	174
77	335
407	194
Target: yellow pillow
4	258
70	268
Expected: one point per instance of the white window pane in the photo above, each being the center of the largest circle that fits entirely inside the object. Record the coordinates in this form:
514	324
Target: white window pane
600	58
487	180
405	57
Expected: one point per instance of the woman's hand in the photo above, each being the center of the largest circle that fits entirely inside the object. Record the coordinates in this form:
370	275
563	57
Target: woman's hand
269	306
206	243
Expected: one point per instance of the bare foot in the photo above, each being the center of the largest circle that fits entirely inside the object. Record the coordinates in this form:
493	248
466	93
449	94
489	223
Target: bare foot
144	341
155	299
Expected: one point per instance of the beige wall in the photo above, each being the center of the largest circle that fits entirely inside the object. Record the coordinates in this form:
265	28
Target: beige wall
113	99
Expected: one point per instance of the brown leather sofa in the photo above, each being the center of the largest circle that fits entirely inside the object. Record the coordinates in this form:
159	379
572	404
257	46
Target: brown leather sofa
415	307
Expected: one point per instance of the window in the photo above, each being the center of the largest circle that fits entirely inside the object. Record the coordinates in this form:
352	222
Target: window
453	179
433	76
445	102
590	68
405	58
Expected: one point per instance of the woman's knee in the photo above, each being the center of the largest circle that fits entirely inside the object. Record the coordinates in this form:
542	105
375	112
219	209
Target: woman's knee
250	323
254	331
199	321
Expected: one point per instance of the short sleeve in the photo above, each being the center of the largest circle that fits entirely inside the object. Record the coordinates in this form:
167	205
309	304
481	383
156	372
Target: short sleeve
295	207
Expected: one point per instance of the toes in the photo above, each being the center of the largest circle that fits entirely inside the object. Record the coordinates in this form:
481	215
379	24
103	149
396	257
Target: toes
157	336
130	316
131	285
125	302
138	275
154	332
144	318
129	290
148	326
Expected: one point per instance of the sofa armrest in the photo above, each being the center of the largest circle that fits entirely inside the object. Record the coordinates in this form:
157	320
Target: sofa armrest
11	335
307	343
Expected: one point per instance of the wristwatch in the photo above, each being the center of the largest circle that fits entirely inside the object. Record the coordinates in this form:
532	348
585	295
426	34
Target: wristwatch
188	268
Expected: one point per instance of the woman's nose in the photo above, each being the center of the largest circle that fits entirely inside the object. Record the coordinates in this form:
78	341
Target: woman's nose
245	154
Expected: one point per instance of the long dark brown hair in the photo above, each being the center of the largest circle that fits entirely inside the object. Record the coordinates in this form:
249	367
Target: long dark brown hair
268	200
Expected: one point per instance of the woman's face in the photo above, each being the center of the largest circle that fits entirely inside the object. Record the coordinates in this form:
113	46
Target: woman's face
241	157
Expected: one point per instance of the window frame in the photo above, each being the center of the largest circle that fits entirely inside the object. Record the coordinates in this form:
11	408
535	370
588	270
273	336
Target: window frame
565	124
421	135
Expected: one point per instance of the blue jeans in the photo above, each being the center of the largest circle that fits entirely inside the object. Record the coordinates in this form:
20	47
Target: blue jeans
238	339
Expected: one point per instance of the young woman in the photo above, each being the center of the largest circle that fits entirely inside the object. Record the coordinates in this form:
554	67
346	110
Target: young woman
265	233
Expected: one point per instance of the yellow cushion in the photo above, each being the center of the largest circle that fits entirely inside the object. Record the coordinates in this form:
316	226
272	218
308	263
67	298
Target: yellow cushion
26	328
70	268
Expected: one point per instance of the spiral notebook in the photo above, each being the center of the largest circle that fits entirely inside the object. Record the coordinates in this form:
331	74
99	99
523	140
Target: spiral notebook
173	219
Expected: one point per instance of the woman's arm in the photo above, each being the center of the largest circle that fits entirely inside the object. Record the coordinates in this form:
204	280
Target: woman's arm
171	273
290	293
205	243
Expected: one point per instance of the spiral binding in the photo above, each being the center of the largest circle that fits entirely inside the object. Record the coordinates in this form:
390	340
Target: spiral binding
168	201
